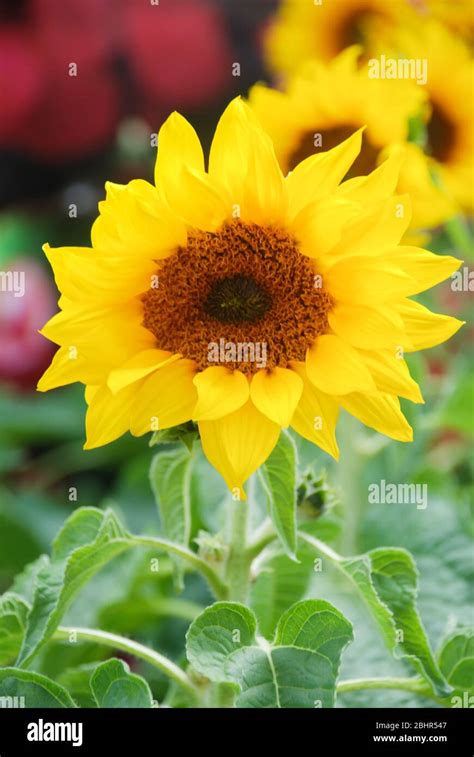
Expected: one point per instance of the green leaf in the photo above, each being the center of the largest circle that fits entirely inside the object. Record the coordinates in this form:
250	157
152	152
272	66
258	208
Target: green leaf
13	612
77	682
170	476
298	669
88	540
395	577
456	659
187	433
387	579
37	690
278	475
113	685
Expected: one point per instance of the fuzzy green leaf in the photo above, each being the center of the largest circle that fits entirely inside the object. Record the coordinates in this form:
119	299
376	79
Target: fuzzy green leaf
37	690
113	685
13	613
278	475
300	667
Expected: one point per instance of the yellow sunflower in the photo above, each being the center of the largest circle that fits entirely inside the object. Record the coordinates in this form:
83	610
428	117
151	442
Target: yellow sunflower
243	300
326	102
449	112
457	15
305	29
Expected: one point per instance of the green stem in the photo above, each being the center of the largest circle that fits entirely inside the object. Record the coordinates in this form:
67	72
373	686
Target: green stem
262	538
134	648
413	685
238	563
215	582
458	232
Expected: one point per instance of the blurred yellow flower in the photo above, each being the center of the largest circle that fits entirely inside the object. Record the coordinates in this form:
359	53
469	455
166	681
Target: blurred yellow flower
244	300
305	29
326	102
449	112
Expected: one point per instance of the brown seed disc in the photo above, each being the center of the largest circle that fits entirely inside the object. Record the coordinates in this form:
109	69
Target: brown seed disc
244	284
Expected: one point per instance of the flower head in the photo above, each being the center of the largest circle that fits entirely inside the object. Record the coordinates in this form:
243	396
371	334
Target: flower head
244	300
324	103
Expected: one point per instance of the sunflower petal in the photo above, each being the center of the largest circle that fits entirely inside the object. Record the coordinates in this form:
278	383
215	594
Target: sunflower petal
166	398
137	367
334	367
390	373
366	327
380	412
315	417
320	174
423	266
238	444
276	394
108	415
220	392
425	329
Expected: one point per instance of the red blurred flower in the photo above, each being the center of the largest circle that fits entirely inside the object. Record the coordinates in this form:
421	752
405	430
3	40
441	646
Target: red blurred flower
179	51
27	299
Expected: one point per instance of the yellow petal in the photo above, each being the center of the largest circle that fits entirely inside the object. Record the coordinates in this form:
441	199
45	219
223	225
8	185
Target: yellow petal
137	367
335	367
67	367
377	229
85	275
220	392
425	329
315	417
242	158
108	415
165	399
366	327
238	444
365	280
423	266
276	394
135	223
380	183
320	174
391	375
178	146
380	412
199	200
319	226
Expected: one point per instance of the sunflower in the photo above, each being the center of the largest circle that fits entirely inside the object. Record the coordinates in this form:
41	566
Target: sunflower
303	29
324	103
457	15
449	111
241	256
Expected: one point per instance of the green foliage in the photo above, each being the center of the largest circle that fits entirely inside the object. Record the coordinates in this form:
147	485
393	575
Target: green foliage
456	659
170	477
279	479
113	685
298	669
37	690
13	612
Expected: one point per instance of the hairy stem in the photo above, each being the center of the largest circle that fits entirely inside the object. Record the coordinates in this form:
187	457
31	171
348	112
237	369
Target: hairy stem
413	685
215	582
238	563
169	668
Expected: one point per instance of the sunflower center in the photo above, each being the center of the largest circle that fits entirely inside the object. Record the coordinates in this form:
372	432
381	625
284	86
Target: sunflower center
237	299
322	140
353	30
441	134
244	286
